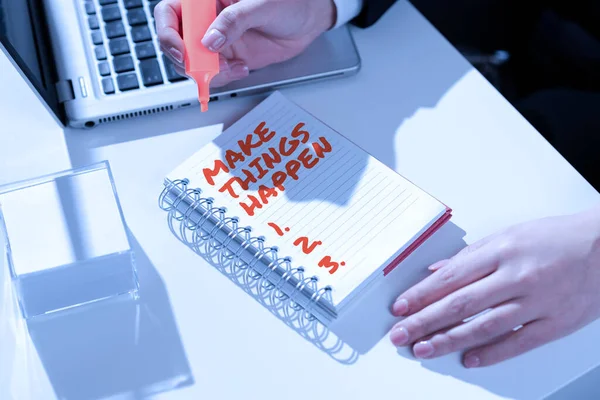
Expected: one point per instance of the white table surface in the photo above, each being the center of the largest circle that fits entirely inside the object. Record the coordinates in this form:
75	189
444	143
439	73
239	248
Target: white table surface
31	142
419	107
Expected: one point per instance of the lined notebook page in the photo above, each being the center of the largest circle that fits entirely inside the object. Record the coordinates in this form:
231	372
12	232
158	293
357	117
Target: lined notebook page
335	210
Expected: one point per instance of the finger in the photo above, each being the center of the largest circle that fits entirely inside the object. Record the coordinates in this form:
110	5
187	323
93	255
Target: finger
466	250
482	330
428	337
167	15
438	265
455	308
443	331
221	4
478	244
230	71
461	271
527	338
180	70
233	21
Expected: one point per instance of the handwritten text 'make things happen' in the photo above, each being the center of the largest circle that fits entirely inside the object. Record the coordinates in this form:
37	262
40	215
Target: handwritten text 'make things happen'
272	167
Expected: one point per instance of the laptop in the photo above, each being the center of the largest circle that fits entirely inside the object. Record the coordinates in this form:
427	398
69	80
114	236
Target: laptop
98	61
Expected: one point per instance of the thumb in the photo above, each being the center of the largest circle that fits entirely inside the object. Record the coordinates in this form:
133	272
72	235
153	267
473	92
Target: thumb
233	22
229	71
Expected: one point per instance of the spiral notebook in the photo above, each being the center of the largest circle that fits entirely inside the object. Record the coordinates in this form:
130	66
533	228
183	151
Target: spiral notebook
313	216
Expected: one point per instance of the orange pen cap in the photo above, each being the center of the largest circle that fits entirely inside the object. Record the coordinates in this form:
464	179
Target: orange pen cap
201	64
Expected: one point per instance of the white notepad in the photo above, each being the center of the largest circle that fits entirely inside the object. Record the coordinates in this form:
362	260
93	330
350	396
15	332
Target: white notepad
342	216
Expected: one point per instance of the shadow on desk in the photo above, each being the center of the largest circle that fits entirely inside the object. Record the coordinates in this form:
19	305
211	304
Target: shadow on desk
123	347
276	302
363	326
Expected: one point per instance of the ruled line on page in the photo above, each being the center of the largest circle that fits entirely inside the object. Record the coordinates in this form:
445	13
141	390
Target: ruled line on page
356	228
331	205
347	216
310	179
324	187
368	242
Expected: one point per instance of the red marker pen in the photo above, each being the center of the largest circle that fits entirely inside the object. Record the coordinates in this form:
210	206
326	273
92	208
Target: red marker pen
201	64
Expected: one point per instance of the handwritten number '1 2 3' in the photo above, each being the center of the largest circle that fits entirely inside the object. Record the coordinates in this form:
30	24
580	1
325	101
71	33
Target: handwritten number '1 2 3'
308	248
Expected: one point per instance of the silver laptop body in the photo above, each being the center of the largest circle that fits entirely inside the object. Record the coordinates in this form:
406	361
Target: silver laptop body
109	65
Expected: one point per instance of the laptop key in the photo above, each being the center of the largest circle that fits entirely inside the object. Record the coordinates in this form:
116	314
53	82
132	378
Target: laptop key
105	2
100	53
132	3
140	33
111	13
123	64
97	37
172	74
153	5
136	16
93	22
114	29
151	74
127	82
145	50
104	68
108	86
89	8
118	46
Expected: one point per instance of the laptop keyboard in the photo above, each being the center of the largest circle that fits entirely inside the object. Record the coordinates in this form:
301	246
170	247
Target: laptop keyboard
124	43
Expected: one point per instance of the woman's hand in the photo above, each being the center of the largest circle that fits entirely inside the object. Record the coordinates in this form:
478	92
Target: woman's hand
543	275
248	34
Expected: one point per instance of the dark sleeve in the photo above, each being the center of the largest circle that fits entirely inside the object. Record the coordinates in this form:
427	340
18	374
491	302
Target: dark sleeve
371	12
585	13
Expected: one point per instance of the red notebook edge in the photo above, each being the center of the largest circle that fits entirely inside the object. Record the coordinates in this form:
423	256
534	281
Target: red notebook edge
417	243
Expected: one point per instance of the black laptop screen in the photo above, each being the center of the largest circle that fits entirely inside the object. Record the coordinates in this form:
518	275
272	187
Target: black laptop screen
24	36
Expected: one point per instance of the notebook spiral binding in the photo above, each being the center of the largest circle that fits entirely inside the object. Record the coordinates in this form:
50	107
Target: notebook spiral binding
201	223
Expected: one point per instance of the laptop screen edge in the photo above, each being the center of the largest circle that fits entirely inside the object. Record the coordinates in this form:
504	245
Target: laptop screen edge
48	93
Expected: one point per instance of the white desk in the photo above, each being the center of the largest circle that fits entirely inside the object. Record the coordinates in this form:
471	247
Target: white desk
31	142
419	107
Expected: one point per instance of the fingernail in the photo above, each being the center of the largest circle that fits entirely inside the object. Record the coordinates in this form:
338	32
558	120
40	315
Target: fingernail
176	54
472	361
239	69
399	336
400	307
438	265
423	349
214	40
